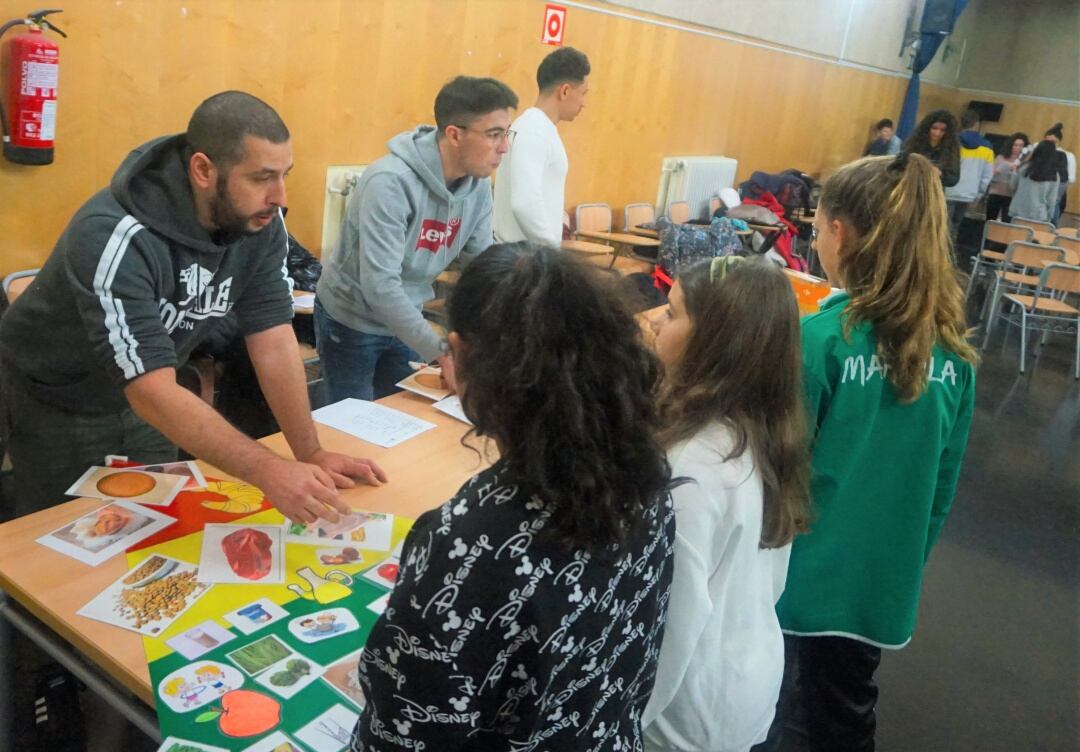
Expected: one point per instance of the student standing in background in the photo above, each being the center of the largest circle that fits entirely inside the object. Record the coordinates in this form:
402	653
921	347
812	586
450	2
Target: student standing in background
1037	184
976	169
414	211
885	142
530	185
935	138
890	387
1003	183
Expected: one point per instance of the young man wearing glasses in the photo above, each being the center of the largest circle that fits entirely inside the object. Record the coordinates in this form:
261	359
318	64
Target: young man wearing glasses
530	186
413	212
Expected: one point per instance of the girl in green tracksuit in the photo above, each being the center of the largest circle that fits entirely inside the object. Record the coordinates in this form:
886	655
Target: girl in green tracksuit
890	384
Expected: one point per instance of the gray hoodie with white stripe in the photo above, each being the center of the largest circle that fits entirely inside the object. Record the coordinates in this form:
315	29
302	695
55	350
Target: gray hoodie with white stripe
134	284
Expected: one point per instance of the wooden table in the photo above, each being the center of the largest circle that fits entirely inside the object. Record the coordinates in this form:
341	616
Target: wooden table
621	238
424	472
584	247
645	232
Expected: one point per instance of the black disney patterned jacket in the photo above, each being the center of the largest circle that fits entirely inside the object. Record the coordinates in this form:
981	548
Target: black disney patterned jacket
497	639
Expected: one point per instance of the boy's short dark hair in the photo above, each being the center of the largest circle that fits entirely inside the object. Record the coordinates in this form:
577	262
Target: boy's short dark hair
564	65
883	123
969	119
465	98
219	125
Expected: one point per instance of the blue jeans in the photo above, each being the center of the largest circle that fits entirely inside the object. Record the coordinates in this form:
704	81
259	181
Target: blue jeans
358	364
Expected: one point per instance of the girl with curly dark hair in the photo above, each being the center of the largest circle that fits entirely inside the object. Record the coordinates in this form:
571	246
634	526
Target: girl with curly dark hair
935	137
529	608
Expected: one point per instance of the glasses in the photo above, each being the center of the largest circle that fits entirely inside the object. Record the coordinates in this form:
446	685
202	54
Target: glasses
495	136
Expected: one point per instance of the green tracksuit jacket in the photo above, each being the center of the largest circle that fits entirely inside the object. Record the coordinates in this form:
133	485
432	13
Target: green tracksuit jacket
884	476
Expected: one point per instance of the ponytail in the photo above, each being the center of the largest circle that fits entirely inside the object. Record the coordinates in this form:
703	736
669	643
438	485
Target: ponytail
898	267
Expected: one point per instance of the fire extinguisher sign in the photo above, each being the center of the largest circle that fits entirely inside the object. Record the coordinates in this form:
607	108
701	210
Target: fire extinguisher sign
554	25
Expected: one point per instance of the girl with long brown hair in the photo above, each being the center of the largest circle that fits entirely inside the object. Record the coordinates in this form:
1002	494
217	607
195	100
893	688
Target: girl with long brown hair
735	428
890	385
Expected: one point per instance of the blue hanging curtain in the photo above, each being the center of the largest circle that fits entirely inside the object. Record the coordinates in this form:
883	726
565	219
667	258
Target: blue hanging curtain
928	47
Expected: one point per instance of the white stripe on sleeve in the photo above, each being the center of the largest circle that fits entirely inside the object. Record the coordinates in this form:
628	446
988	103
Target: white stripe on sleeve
125	348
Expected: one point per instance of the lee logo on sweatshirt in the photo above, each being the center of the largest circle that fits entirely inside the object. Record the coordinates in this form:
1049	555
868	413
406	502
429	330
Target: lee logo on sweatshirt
435	234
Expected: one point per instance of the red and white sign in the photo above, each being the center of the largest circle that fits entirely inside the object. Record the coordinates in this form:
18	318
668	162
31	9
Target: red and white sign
434	234
554	25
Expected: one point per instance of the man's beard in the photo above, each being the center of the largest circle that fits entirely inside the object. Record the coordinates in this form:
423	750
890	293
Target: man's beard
224	215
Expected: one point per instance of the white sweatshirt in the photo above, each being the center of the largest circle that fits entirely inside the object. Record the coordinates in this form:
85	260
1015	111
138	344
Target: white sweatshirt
722	659
530	183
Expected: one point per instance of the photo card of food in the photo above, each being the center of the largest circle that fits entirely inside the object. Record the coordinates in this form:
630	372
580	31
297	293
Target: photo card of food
189	470
242	554
385	573
149	597
200	639
126	484
427	382
256	657
276	742
255	615
343	676
289	675
106	532
368	531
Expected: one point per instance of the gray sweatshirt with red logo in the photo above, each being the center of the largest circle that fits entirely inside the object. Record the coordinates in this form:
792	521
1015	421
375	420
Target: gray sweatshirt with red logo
402	227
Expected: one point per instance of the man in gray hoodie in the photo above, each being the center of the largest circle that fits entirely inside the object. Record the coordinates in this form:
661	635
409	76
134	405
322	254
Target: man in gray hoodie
191	228
414	211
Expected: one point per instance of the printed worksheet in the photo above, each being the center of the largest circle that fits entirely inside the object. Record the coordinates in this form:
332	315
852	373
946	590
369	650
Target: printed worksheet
373	423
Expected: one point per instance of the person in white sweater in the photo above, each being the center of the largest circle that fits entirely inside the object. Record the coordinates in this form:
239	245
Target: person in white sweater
735	428
531	181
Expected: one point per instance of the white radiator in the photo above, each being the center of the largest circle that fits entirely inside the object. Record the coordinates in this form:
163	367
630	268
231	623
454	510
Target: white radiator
694	179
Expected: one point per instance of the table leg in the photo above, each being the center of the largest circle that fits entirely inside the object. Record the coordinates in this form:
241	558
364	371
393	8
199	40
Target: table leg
129	706
7	704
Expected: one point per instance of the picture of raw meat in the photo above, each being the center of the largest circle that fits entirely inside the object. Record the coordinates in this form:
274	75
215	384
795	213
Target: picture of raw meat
248	553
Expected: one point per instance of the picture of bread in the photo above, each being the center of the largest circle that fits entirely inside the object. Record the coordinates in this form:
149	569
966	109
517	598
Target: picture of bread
430	380
125	484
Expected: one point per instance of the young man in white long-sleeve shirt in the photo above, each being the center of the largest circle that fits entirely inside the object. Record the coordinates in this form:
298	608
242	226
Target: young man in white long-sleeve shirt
531	181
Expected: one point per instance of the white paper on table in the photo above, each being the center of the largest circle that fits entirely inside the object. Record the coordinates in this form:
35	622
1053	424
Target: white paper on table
303	301
92	539
370	422
452	407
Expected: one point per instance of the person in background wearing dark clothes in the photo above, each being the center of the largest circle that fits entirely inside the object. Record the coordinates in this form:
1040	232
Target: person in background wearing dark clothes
935	138
1002	184
1066	166
1037	184
886	142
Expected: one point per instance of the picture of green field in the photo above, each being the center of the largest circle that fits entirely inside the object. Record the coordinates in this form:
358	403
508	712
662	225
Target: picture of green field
260	655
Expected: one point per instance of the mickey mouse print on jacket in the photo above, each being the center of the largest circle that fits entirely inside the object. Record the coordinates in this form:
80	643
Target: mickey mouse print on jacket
496	638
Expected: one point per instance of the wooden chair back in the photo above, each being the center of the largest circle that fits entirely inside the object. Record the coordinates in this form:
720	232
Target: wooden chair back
1035	224
1004	233
637	214
1032	254
592	218
679	212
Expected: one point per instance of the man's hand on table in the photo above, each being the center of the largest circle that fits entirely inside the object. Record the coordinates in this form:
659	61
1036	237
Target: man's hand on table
306	491
345	470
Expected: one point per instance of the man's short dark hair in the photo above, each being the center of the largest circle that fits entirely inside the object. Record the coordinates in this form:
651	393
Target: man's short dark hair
564	65
883	123
465	98
969	119
218	126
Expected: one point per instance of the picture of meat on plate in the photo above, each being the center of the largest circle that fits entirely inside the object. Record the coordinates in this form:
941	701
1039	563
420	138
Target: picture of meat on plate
248	553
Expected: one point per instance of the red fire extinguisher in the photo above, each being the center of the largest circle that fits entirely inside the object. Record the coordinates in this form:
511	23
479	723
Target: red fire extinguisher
31	67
